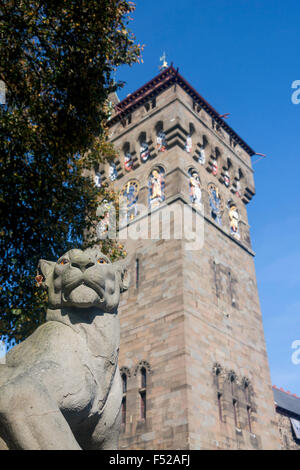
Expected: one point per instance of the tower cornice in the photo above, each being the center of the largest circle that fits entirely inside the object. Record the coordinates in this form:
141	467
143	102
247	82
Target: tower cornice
164	80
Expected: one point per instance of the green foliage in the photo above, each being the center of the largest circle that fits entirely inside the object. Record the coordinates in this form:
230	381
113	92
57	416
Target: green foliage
57	60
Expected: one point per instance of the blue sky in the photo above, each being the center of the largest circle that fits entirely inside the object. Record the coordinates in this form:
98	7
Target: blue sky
242	57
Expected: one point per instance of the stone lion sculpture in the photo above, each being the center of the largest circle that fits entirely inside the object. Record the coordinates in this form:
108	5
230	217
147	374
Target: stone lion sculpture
61	387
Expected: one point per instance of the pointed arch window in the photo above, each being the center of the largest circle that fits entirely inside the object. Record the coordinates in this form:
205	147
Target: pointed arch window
232	380
235	404
218	374
137	273
247	393
249	412
217	370
124	399
220	407
143	393
235	412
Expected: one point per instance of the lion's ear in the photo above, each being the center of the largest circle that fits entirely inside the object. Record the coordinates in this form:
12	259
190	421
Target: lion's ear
44	269
122	268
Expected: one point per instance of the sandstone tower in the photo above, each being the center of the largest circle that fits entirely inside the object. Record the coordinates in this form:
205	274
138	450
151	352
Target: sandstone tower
193	357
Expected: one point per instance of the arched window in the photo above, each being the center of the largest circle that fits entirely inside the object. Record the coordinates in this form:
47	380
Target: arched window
159	127
235	412
137	273
233	387
205	141
124	399
124	383
228	164
217	373
191	129
143	392
247	393
249	412
220	406
142	372
143	378
232	381
246	387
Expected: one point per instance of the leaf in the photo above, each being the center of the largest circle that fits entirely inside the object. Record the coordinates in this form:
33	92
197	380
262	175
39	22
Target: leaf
59	73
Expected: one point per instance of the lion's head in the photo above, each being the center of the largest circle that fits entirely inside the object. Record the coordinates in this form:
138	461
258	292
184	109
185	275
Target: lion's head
83	279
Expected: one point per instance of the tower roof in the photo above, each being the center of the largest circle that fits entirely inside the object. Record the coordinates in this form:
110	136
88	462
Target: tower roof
168	77
286	400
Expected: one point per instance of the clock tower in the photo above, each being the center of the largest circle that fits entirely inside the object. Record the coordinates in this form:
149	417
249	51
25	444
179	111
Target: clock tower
192	356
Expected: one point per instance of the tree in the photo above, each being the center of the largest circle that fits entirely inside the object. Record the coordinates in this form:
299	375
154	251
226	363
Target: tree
57	60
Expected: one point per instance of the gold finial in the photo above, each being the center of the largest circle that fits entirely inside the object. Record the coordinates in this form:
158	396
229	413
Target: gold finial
164	62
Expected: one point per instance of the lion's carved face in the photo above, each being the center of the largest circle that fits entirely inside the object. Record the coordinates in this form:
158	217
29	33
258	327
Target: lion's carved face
83	279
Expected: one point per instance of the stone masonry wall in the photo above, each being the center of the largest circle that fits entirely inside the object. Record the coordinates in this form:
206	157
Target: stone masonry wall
288	439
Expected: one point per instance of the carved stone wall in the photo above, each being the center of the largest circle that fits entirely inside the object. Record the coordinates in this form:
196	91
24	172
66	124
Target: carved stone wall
288	438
